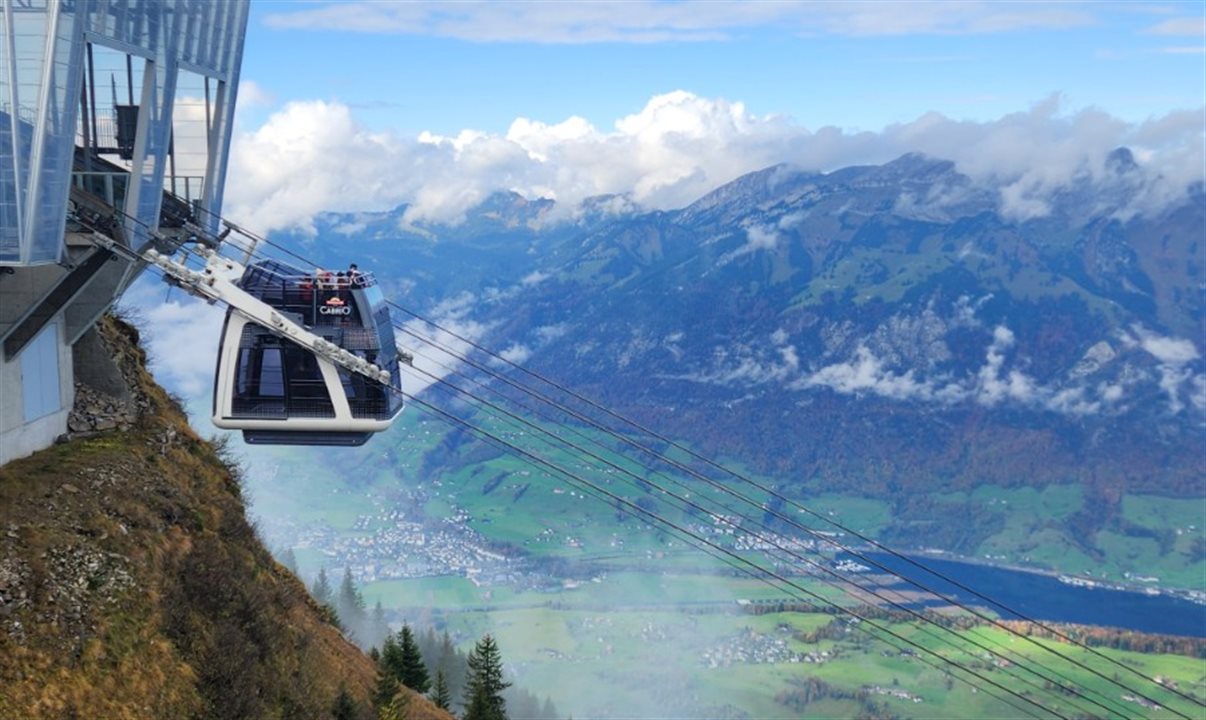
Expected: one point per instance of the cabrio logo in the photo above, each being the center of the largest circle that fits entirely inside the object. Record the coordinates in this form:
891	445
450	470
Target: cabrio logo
335	306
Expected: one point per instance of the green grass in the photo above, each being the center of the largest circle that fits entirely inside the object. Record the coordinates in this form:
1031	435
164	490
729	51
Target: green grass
1155	512
434	592
865	515
593	662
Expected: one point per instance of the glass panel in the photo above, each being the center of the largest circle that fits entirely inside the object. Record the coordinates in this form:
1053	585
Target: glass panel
243	373
48	214
190	139
10	221
308	396
272	375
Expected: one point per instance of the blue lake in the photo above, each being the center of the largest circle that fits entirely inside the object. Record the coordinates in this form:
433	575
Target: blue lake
1043	597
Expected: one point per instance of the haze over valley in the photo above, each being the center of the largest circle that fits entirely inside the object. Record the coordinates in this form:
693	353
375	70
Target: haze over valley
884	346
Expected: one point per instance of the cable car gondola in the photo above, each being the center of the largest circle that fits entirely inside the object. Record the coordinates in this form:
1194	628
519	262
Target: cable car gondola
281	392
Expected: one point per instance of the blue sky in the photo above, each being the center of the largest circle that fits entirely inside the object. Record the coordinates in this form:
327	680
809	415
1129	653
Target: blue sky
445	67
357	106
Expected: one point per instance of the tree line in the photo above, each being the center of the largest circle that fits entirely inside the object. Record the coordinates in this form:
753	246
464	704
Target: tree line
425	662
477	678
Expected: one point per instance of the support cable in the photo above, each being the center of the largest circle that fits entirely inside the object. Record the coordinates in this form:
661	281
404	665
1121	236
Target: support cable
754	483
636	481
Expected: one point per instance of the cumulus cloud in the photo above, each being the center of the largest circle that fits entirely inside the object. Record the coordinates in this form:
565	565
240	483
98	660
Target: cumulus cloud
757	238
990	386
645	21
1173	355
516	353
183	336
313	156
1168	350
438	346
742	364
866	374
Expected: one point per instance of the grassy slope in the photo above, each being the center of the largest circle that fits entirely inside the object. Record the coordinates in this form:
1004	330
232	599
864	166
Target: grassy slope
134	586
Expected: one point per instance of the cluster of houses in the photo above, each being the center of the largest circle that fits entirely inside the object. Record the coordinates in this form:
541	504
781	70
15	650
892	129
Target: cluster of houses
390	547
754	648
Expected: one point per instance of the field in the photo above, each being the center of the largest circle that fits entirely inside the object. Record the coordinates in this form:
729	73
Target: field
597	658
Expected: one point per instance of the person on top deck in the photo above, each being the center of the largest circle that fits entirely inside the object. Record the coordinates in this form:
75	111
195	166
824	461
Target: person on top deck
326	280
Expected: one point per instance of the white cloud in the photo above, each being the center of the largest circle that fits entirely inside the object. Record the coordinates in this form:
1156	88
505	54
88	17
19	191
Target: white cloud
1197	392
1173	354
889	370
548	333
437	350
645	21
516	353
1168	350
252	94
991	386
183	336
1180	27
866	373
313	156
742	365
534	278
756	238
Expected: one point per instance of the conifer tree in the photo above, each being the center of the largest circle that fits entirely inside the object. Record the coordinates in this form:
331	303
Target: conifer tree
387	688
391	659
485	684
343	708
322	588
414	672
440	695
397	709
289	560
350	605
378	627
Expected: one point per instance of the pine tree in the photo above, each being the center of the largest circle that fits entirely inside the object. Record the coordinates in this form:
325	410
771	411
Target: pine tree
485	684
440	694
343	708
397	709
322	588
378	627
350	605
414	672
391	659
289	560
387	688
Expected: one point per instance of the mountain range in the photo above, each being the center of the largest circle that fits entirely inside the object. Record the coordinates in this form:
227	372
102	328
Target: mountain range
885	331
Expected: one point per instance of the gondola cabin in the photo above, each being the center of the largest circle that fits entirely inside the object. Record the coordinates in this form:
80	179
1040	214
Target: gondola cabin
279	392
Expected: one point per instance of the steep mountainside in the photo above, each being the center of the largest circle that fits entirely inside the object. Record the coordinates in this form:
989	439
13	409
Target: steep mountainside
132	585
880	328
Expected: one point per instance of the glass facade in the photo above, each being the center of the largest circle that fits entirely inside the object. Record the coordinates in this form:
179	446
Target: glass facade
49	93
